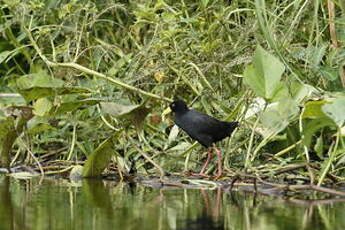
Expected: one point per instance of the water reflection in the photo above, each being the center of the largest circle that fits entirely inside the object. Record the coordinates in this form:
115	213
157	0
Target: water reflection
95	204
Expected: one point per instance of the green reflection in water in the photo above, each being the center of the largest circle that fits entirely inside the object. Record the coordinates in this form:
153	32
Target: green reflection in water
95	204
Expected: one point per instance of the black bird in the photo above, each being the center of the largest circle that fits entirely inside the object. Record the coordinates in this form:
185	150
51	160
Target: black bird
203	128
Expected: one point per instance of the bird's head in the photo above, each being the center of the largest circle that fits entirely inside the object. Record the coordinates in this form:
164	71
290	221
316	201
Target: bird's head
178	106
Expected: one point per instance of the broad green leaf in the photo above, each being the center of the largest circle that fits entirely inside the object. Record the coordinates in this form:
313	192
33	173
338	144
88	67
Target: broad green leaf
135	114
281	92
300	91
38	92
73	105
269	68
176	150
117	110
312	109
264	75
278	116
100	158
311	126
329	73
39	79
254	81
314	119
42	107
12	99
336	111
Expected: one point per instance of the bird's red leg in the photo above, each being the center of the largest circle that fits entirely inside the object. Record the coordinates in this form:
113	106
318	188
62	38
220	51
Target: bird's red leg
209	156
219	159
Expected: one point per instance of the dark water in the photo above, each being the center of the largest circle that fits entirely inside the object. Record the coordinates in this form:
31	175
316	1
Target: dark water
60	204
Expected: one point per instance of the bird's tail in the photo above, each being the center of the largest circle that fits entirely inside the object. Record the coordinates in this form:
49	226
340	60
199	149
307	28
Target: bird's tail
231	126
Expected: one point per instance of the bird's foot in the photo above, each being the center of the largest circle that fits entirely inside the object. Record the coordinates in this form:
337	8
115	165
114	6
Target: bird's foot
218	175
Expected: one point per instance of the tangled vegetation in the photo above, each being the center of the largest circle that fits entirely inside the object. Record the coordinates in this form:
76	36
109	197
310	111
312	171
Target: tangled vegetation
92	79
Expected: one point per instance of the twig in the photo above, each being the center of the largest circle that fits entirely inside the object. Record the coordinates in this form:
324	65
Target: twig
35	159
290	168
331	16
59	171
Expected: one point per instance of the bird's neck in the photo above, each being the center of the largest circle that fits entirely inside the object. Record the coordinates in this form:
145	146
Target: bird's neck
181	112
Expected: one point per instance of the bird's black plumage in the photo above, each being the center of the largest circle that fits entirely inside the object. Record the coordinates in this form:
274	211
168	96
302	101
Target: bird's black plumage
199	126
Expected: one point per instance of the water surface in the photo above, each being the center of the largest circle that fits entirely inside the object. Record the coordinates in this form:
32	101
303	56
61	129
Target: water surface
95	204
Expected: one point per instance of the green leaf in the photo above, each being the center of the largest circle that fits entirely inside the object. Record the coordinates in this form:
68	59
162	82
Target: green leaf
329	73
39	128
39	79
319	147
264	75
300	91
281	92
100	158
39	92
134	113
278	116
256	83
42	107
312	109
117	110
310	127
316	55
4	55
314	119
73	105
336	111
12	99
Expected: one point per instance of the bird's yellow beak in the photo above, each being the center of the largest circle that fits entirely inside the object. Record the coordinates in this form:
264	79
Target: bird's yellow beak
166	112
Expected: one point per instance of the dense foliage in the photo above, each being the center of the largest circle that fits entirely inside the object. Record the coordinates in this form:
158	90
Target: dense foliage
99	74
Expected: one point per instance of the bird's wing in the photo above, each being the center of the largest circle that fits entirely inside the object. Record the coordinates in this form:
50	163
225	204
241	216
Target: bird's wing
209	126
205	123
